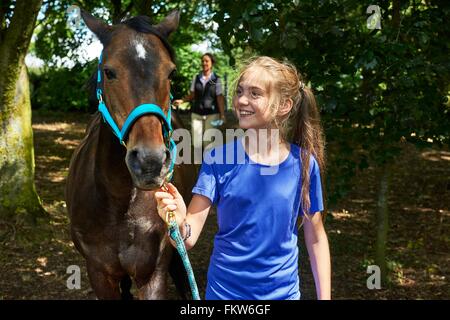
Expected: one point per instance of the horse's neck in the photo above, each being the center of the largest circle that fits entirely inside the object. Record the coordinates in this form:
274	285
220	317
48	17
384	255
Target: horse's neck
111	172
143	205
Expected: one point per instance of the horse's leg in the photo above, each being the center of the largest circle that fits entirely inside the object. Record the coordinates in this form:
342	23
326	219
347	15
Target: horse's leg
104	285
155	288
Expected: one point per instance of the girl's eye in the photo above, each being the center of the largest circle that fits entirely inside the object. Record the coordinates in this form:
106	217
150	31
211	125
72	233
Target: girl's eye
255	94
110	74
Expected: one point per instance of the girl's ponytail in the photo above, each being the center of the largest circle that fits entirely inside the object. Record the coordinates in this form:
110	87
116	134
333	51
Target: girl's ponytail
308	134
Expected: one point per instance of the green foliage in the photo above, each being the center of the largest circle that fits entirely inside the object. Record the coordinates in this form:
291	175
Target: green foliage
58	45
376	88
56	40
189	64
61	89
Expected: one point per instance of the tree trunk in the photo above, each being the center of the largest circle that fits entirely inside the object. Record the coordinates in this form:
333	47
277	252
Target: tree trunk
17	192
382	222
396	14
116	11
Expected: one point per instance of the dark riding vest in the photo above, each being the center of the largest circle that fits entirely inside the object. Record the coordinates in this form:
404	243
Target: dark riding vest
205	99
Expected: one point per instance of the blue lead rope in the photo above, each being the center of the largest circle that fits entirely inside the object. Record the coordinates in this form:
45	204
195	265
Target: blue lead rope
174	233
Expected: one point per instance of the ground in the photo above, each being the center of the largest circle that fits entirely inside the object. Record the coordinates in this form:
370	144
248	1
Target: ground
34	260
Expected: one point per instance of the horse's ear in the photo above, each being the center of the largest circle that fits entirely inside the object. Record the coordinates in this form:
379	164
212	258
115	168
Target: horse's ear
169	24
97	26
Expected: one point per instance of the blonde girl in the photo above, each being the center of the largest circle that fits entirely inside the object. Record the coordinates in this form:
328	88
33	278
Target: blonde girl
255	255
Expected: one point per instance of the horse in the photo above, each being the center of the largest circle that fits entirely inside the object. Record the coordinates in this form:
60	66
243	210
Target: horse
110	187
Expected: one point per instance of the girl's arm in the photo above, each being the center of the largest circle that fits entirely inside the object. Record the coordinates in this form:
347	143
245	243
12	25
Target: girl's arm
195	215
319	254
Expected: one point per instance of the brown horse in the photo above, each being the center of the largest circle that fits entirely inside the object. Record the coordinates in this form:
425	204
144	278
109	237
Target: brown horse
110	187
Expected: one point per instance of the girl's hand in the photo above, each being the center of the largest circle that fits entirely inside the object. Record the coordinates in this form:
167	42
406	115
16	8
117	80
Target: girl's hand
171	201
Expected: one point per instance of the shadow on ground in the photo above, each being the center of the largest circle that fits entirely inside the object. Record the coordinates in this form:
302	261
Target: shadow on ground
34	261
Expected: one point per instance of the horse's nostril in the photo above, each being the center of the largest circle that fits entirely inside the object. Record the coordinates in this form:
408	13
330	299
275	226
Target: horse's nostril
133	161
134	153
146	162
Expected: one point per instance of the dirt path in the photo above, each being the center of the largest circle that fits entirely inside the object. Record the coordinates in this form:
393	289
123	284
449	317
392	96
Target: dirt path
33	262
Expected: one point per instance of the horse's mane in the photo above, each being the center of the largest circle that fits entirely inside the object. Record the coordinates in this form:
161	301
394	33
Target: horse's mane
141	24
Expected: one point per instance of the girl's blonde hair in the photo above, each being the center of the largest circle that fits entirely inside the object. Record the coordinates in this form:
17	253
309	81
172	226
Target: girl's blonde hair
302	124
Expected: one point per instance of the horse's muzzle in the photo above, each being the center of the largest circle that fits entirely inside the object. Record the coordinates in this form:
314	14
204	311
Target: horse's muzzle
148	167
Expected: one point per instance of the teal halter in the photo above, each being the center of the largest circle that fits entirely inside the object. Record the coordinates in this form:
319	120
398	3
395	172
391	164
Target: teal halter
139	111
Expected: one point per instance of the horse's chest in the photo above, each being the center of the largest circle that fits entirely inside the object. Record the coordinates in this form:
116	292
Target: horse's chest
139	229
140	243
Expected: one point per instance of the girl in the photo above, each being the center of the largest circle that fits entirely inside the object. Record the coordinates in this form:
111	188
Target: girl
255	255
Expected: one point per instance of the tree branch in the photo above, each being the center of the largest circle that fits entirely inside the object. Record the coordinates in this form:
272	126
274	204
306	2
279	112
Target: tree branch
47	12
144	7
116	11
396	13
127	10
17	37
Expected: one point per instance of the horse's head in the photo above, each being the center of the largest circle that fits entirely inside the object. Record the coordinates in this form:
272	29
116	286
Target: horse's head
137	64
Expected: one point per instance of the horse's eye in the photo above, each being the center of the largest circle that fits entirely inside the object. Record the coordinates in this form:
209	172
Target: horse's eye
172	74
110	74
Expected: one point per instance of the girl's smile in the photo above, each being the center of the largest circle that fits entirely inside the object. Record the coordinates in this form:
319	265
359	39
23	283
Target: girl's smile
251	104
245	113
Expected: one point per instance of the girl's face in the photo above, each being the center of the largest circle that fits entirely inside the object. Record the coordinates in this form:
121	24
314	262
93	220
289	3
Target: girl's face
206	63
251	102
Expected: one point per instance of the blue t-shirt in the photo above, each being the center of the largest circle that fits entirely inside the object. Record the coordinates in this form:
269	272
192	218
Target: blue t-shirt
255	255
